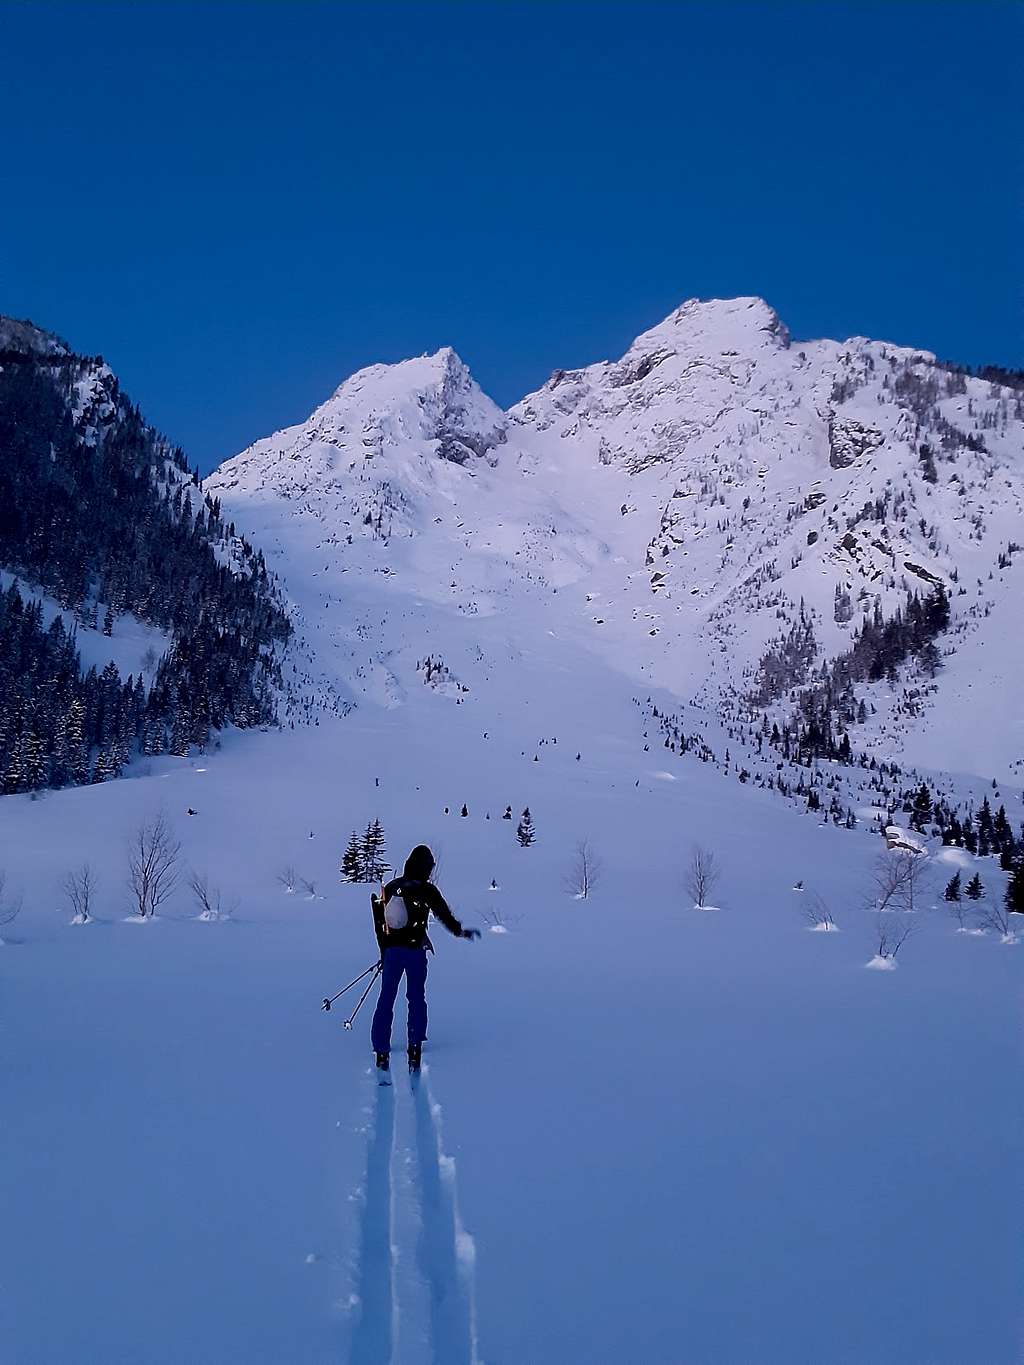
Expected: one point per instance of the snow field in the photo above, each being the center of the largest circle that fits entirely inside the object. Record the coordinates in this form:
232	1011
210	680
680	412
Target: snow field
677	1135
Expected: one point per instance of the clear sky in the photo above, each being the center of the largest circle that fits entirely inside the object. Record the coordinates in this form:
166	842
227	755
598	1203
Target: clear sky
240	204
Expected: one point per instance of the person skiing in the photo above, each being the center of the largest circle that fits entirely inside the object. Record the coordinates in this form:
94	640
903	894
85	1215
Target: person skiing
400	919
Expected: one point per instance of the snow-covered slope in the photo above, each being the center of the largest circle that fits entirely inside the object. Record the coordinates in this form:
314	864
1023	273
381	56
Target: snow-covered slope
677	1135
673	513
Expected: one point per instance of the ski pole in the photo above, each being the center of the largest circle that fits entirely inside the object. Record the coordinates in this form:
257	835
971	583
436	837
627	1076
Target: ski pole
328	1003
369	987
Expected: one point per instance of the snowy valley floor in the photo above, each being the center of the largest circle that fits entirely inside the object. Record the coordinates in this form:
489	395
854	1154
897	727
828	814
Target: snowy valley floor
644	1135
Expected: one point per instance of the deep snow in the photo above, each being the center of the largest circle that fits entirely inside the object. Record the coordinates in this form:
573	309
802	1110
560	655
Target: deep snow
676	1136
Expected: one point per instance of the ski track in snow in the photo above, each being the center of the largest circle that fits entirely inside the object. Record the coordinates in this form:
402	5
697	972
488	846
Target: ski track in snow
445	1249
417	1203
375	1336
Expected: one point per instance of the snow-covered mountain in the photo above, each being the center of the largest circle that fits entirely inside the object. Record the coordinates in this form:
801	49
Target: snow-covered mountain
710	1118
675	514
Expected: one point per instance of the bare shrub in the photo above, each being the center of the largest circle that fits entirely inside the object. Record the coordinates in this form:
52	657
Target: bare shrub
896	881
961	911
287	878
702	875
309	888
816	912
10	904
152	865
208	898
79	887
892	932
499	921
995	915
585	871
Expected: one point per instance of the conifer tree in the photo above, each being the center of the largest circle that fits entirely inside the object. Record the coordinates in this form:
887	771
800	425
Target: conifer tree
985	822
525	832
352	860
374	866
1014	897
1002	834
952	892
974	889
921	811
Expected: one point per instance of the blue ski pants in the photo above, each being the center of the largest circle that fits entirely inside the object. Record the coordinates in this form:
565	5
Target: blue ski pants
413	963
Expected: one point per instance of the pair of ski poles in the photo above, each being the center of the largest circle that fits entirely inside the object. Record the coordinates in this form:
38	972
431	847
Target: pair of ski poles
376	968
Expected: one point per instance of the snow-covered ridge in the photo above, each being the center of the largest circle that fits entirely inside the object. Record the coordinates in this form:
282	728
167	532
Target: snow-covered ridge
670	510
21	335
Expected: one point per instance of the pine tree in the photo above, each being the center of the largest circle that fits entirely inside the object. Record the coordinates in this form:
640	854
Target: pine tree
974	889
952	892
1001	831
921	811
1014	897
985	821
372	849
525	832
352	860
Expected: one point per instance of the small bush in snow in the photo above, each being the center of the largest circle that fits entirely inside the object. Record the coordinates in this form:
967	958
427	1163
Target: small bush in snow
702	876
208	898
896	881
10	905
152	865
498	921
287	879
585	871
818	915
892	931
79	887
996	915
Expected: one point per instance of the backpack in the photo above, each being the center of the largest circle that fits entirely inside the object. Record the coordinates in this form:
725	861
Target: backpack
407	910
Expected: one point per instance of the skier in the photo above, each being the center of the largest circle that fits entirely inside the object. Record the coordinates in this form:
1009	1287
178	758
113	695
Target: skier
401	921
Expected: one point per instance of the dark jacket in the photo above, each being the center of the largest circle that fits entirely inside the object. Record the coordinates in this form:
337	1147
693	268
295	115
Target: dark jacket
422	899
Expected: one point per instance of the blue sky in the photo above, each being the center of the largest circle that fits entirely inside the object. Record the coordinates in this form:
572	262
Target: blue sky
240	204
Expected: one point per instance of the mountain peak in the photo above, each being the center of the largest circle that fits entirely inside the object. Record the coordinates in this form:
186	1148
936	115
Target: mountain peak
717	327
383	422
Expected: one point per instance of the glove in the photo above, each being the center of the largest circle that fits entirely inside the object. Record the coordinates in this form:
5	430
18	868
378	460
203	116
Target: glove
471	933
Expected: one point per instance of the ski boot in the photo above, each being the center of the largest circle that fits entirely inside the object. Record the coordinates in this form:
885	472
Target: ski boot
383	1063
414	1056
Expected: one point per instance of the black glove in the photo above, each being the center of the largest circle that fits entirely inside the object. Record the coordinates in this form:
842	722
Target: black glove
471	933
